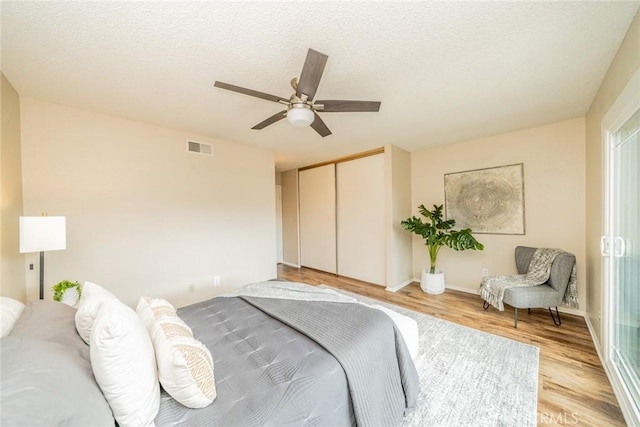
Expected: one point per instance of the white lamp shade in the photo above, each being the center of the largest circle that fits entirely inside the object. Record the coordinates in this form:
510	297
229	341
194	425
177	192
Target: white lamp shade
300	117
42	233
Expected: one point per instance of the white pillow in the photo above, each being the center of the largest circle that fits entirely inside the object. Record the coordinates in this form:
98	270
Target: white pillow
93	296
185	365
10	310
149	308
124	364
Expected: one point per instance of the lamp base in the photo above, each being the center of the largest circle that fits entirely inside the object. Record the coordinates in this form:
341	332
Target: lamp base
41	275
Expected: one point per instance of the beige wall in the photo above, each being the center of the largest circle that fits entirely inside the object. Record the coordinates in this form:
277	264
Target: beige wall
12	272
554	176
289	183
144	216
399	263
624	66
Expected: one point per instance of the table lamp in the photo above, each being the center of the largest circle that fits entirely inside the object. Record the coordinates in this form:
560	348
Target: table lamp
40	234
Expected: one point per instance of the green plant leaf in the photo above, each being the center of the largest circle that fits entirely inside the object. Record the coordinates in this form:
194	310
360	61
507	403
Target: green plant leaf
60	288
437	232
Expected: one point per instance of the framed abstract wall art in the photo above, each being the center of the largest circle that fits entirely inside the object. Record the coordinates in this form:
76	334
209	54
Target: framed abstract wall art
489	201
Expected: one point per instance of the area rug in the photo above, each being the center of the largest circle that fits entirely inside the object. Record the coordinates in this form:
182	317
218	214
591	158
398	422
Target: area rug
470	377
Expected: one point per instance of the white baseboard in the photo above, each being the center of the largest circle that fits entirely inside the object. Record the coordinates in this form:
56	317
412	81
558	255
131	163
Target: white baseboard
290	264
463	289
574	311
452	287
629	410
596	342
400	286
561	309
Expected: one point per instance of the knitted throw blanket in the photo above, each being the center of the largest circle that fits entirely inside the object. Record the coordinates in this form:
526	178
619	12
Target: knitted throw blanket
492	288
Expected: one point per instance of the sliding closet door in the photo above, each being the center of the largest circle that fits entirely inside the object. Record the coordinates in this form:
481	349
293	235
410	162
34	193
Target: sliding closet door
361	237
317	187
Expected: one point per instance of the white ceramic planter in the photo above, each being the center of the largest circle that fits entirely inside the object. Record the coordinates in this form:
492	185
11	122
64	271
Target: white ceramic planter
70	297
432	283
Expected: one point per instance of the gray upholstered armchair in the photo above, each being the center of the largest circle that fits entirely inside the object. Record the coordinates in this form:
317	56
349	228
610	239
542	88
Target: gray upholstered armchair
549	294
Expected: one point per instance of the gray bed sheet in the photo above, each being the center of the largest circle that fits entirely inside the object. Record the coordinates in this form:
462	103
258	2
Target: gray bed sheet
267	374
46	372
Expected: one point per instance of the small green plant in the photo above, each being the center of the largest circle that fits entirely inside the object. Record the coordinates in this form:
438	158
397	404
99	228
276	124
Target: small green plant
60	288
437	233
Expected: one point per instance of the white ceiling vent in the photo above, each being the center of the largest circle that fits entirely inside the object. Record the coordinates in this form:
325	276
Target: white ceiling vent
200	148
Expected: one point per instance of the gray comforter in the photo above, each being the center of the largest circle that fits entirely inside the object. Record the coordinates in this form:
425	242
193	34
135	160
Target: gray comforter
383	381
268	373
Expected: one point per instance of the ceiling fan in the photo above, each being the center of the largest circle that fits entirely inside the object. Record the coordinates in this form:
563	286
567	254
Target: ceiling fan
301	109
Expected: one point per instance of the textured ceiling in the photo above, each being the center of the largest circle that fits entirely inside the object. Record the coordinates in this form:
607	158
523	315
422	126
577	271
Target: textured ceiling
444	71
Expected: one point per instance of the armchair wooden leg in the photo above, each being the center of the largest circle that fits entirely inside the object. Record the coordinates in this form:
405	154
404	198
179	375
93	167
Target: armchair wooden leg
515	318
558	322
485	305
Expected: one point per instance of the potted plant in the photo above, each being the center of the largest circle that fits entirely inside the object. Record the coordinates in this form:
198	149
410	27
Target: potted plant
67	292
437	233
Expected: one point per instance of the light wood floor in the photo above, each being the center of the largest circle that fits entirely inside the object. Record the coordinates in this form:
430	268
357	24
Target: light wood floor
573	388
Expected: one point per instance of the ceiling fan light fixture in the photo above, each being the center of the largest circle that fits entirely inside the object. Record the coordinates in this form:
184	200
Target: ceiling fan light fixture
300	115
302	111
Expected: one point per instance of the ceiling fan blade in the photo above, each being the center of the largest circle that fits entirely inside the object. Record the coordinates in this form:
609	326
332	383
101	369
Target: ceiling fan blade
271	120
249	92
331	106
319	126
311	74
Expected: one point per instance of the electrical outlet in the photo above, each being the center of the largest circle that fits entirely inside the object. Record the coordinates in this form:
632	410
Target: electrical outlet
191	287
216	281
485	272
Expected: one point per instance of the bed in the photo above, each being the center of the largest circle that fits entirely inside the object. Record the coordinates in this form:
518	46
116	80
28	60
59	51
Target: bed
283	354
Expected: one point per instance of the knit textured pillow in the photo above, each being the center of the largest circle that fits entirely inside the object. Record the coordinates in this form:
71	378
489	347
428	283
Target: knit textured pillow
150	308
185	365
